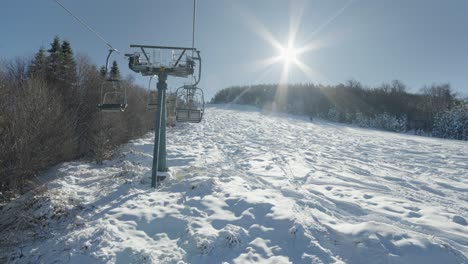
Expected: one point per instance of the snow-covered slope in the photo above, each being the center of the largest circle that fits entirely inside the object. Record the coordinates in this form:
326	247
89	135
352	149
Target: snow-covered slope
252	187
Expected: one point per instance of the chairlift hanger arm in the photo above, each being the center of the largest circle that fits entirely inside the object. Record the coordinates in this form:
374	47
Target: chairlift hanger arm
149	82
144	53
108	56
198	58
178	59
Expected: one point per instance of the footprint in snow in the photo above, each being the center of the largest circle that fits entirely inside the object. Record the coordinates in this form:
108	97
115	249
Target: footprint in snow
413	215
459	220
393	210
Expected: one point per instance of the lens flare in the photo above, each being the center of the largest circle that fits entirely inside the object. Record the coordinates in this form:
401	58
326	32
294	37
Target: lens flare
288	55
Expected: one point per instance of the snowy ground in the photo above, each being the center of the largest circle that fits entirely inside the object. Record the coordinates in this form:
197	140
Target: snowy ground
250	187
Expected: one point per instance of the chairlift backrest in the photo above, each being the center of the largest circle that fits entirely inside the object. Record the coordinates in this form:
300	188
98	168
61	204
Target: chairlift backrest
152	100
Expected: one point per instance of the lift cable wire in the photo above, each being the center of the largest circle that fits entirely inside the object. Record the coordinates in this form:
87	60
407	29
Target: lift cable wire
193	31
193	26
88	27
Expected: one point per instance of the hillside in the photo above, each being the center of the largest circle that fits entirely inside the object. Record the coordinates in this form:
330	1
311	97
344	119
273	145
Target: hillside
251	186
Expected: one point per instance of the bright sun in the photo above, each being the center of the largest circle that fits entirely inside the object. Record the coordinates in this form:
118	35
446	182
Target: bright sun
292	51
288	54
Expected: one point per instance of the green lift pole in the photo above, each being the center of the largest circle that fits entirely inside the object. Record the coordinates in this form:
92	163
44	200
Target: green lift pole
147	68
159	153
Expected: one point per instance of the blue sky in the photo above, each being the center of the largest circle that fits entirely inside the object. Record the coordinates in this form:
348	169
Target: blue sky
373	41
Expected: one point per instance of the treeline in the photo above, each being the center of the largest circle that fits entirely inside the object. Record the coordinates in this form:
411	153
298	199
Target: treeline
435	110
48	114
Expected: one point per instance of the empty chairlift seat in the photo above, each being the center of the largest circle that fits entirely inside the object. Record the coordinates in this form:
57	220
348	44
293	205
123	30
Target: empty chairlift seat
113	92
112	107
190	104
189	115
152	100
113	97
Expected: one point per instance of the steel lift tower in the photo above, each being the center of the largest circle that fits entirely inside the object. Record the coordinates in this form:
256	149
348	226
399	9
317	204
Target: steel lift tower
163	61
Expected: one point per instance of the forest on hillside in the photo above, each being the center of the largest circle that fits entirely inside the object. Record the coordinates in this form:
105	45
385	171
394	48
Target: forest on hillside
49	114
435	110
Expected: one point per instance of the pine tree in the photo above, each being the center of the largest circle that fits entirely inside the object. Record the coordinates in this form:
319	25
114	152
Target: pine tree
54	61
103	71
114	71
68	64
55	46
38	66
66	48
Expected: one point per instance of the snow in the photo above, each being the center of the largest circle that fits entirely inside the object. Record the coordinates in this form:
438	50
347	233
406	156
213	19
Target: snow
252	187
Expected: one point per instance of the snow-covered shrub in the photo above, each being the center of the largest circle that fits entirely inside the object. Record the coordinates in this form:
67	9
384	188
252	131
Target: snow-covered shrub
350	117
333	115
381	121
388	122
452	123
231	236
205	246
360	120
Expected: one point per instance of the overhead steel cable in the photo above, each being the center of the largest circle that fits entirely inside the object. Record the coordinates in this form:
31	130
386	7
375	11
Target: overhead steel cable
193	31
88	27
193	25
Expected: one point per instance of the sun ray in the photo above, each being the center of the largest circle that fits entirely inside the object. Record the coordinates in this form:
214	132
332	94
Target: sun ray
266	35
329	20
267	62
309	72
284	77
296	11
311	46
281	90
263	74
252	23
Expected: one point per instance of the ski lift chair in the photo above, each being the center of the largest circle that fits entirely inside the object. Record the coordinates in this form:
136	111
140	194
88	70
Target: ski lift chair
152	100
113	96
190	104
113	92
152	97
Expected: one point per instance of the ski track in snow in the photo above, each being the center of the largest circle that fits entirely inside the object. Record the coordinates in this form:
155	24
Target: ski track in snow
249	186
